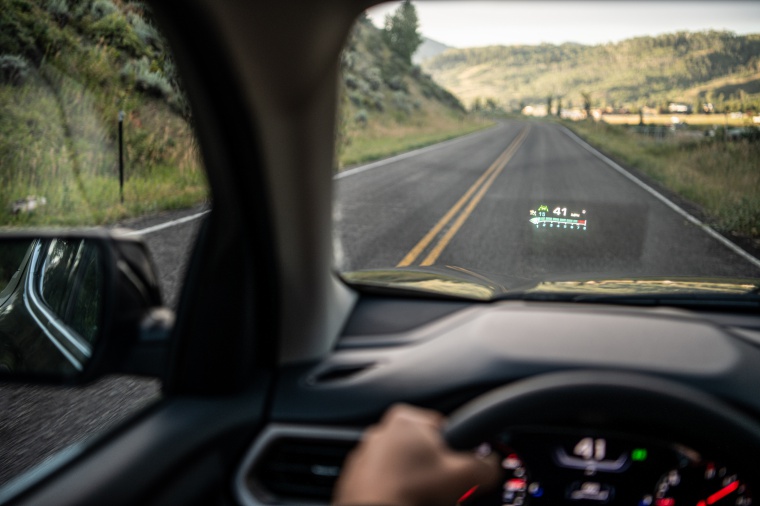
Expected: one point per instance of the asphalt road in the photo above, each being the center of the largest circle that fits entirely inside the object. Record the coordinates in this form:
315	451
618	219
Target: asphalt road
38	421
468	204
464	203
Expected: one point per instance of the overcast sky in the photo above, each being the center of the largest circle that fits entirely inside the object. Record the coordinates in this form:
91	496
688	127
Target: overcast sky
467	24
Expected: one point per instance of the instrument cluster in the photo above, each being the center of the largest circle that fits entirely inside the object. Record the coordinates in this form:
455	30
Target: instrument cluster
557	467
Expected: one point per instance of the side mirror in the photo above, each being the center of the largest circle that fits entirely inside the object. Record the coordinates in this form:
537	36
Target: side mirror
75	306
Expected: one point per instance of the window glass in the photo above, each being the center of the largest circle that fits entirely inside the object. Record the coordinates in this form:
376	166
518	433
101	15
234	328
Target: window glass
89	98
95	130
494	148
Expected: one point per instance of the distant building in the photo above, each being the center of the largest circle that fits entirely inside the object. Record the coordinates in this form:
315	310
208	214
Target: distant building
678	108
538	111
573	114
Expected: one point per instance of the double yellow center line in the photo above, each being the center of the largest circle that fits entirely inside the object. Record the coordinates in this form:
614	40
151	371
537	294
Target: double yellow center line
478	189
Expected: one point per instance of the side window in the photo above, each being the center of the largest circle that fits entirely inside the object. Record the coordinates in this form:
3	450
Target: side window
95	130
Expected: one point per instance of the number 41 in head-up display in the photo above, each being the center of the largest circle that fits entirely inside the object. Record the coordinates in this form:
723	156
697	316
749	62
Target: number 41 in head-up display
558	217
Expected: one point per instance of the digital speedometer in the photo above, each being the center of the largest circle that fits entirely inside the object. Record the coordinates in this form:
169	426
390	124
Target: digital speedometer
559	217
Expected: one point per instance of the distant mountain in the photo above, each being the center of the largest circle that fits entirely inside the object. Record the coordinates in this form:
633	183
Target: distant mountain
690	67
428	49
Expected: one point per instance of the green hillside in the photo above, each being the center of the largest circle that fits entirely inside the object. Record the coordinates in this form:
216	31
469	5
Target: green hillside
66	70
717	67
389	105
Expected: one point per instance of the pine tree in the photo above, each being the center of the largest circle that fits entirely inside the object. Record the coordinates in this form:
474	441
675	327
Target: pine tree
401	31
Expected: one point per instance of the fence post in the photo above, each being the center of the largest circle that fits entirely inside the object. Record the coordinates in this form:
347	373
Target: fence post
121	155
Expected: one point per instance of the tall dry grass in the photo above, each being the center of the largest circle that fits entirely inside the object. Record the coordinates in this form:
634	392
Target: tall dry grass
723	178
58	140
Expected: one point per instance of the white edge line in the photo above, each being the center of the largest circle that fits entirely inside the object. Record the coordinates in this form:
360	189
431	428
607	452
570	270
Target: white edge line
408	154
340	175
167	224
349	172
706	228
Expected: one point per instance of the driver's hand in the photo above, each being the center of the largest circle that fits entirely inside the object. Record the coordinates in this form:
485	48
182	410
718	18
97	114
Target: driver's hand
404	461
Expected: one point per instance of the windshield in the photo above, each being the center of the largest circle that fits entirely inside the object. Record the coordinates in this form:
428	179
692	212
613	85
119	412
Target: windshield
556	146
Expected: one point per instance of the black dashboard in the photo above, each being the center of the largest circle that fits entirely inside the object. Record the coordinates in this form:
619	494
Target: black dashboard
584	404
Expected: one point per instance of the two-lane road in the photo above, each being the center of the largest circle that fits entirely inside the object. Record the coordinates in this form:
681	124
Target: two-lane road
469	204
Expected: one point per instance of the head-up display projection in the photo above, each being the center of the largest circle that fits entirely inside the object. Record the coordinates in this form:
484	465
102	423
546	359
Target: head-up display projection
559	217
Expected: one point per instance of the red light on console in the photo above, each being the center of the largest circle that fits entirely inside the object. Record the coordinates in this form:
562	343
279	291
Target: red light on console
467	494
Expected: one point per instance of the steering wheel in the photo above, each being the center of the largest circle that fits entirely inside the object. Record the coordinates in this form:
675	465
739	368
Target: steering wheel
607	400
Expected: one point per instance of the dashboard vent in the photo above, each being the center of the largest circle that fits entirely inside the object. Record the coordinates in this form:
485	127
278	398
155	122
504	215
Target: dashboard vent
300	469
339	372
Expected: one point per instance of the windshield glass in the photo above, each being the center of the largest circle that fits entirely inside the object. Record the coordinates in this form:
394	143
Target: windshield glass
560	147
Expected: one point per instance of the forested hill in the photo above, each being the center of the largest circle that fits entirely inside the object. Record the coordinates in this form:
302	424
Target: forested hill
385	95
68	70
684	66
105	45
377	80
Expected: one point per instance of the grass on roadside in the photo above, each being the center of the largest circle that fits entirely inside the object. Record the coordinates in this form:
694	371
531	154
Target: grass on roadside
382	140
69	69
96	201
704	120
723	178
58	140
